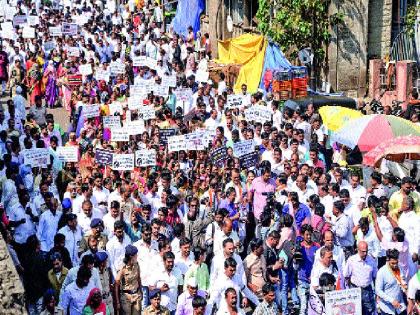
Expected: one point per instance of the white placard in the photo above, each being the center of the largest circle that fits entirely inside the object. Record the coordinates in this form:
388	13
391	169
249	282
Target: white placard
115	107
102	74
86	69
135	102
33	20
73	52
19	20
243	147
48	46
138	91
195	141
9	12
28	32
347	301
145	158
123	162
55	31
69	29
258	113
183	94
38	157
112	122
68	154
234	101
177	143
138	61
146	112
117	68
91	111
119	134
135	127
8	33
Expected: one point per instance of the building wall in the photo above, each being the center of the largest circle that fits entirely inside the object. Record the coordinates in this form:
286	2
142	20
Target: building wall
11	292
348	52
380	23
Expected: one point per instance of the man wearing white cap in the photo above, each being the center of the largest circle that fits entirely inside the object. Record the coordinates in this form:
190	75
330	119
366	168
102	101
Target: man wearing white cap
185	306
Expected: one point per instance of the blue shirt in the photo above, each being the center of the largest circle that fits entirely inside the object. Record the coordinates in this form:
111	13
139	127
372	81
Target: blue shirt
388	289
301	214
305	268
230	206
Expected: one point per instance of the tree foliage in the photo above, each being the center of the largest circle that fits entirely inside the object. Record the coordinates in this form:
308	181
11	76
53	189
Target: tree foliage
297	24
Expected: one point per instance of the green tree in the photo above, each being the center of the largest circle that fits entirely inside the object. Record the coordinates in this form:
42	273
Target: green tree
297	24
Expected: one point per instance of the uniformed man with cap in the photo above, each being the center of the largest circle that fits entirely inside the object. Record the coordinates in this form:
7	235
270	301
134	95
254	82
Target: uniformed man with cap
96	229
128	283
105	274
155	308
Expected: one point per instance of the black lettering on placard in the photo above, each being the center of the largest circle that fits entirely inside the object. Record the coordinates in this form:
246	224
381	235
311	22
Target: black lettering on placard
219	156
164	134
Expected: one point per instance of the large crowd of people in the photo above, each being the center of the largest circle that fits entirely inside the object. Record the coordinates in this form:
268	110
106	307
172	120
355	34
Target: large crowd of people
163	196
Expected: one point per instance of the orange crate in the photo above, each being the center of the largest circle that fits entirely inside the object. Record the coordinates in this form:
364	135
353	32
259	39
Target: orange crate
299	83
282	86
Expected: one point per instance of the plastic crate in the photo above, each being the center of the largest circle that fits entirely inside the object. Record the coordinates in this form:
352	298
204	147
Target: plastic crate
299	72
300	83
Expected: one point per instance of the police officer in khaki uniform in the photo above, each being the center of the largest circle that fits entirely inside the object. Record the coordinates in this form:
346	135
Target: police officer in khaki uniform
105	274
127	284
97	227
155	308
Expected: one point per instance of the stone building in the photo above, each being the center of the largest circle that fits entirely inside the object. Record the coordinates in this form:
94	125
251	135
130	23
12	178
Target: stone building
368	31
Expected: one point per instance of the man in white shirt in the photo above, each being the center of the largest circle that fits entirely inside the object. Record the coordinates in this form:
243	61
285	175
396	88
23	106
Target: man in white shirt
100	194
357	191
168	282
409	221
367	233
343	228
145	257
325	264
229	279
73	233
225	233
75	295
218	262
87	214
337	251
110	218
185	258
86	195
116	247
48	224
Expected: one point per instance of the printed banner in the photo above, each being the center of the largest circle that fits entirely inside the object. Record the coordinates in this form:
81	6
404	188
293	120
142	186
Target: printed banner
119	134
145	158
69	29
164	134
249	160
219	156
91	111
55	31
38	157
68	154
103	156
344	302
177	143
112	122
146	112
234	101
123	162
243	147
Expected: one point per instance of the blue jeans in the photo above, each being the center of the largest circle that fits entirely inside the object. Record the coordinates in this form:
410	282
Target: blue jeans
287	283
368	301
303	293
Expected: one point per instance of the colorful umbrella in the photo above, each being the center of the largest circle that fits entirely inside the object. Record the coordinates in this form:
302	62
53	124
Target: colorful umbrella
397	150
334	117
369	131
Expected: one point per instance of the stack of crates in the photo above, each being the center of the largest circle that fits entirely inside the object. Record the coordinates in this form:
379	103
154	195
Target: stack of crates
299	82
282	84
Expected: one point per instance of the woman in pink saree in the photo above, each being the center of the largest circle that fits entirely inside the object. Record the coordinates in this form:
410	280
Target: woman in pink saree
51	89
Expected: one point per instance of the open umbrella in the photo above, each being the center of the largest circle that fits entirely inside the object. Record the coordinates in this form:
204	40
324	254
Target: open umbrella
370	130
397	150
334	117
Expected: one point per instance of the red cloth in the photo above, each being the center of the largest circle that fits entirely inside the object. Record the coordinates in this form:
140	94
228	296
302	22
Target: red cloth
101	309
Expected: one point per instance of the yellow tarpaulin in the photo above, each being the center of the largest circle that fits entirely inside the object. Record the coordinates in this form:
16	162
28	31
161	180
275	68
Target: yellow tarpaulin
249	51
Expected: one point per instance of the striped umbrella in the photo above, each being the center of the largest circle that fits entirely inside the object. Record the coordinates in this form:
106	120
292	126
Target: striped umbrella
369	131
397	150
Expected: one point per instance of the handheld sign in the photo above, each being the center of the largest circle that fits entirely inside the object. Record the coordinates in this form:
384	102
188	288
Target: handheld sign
145	158
249	160
219	156
164	134
123	162
38	157
103	156
119	134
243	147
177	143
112	122
68	154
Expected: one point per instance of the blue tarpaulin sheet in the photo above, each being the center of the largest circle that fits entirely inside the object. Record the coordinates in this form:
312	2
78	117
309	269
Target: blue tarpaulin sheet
188	14
274	60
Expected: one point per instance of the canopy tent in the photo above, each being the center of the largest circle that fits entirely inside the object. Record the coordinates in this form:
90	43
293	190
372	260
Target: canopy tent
249	51
188	14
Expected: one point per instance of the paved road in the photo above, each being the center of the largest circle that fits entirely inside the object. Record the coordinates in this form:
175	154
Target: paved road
60	114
